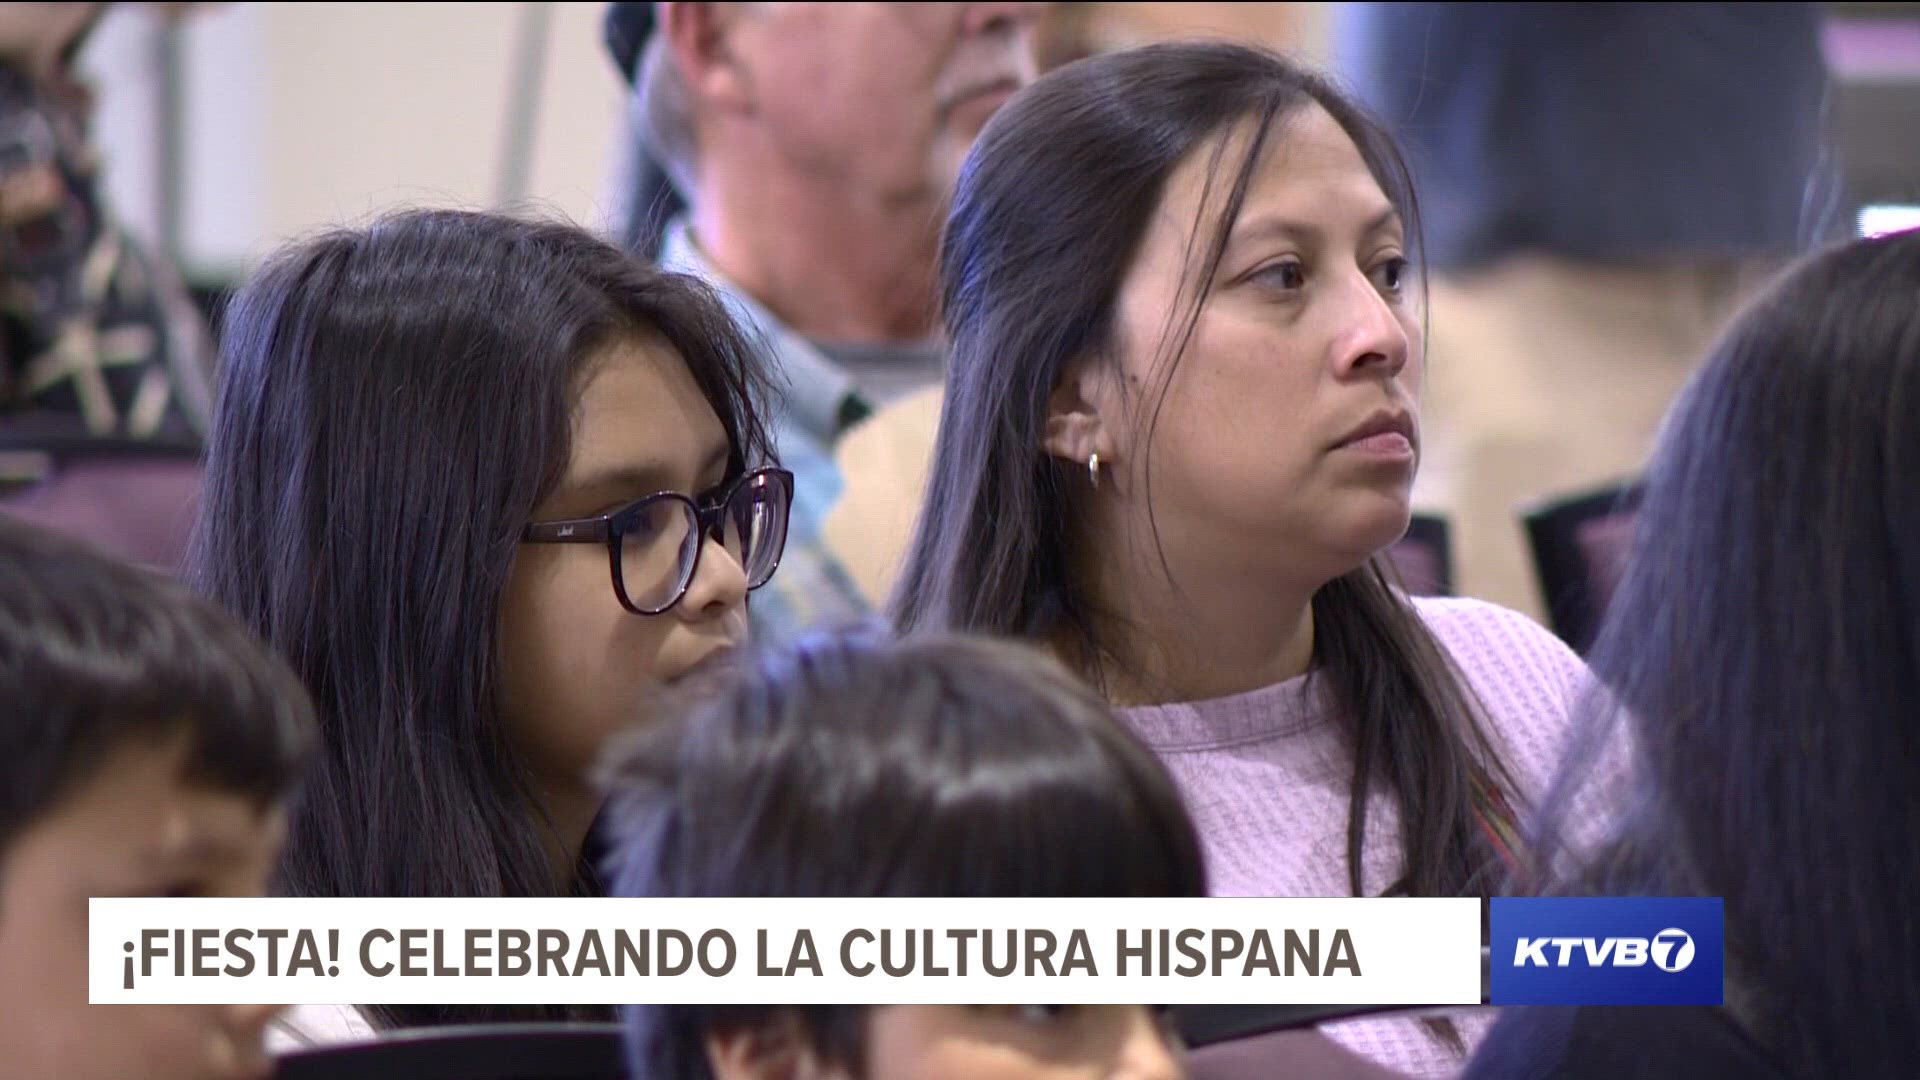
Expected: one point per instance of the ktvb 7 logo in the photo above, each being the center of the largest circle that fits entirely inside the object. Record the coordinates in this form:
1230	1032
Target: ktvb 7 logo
1669	950
1596	950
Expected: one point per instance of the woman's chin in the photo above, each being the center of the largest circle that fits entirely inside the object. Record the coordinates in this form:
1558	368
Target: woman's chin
1375	531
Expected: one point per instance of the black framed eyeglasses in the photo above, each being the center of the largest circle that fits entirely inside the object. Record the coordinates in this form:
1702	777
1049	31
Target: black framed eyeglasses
654	545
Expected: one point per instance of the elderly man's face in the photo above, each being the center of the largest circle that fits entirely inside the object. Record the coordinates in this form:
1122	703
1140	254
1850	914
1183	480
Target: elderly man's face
884	97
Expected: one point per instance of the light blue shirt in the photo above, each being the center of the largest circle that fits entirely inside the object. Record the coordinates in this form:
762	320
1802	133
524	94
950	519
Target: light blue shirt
811	588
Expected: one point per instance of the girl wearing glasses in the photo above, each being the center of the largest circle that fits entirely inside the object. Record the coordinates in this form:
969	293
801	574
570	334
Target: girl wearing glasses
486	483
1180	426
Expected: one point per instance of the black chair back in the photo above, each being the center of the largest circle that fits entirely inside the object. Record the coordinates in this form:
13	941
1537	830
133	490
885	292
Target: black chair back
1424	557
1580	549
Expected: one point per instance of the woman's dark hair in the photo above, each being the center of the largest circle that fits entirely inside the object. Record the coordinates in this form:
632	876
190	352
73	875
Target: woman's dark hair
850	765
1049	213
96	655
1763	659
394	401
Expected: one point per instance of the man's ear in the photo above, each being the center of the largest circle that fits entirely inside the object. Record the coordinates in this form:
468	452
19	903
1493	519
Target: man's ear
776	1049
702	46
1082	415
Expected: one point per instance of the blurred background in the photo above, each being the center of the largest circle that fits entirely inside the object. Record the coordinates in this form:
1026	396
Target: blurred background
1602	185
227	128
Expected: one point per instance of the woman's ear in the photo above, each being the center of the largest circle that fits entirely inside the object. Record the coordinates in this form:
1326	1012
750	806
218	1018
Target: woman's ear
1081	415
775	1049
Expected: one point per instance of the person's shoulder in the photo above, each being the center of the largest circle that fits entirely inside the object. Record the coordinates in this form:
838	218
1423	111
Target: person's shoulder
1524	675
304	1027
900	432
884	460
1467	626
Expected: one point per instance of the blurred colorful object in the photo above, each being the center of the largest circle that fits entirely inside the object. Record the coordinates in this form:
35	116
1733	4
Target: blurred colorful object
97	338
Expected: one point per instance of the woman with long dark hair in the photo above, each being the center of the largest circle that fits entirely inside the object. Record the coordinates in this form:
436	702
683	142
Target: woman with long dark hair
1763	660
1180	427
485	483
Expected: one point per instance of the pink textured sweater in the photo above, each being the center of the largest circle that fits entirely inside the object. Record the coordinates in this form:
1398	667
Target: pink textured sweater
1266	777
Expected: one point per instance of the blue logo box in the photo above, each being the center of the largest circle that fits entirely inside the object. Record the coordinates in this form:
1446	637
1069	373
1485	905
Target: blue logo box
1606	951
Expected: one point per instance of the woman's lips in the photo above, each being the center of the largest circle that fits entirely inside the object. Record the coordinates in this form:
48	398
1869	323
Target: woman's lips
1386	444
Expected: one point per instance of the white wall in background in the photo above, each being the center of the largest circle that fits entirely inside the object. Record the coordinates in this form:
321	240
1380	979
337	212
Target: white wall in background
303	115
119	64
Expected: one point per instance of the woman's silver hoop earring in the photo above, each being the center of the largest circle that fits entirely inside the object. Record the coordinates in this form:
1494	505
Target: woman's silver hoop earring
1093	469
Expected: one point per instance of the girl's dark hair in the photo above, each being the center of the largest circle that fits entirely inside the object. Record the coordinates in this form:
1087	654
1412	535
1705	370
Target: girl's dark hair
394	401
854	766
96	655
1763	657
1049	213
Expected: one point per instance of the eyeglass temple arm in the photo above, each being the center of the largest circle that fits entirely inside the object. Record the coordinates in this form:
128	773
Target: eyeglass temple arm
577	531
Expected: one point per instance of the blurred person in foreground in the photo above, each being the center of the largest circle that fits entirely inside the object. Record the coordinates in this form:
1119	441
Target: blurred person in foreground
1764	651
856	766
1602	185
147	748
816	145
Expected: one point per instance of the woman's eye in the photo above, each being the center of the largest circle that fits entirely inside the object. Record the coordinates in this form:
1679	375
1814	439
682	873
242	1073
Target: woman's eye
1289	274
1391	275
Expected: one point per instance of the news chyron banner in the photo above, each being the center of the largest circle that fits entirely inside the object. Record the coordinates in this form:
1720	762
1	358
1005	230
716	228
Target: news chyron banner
789	951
